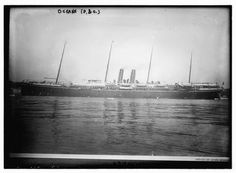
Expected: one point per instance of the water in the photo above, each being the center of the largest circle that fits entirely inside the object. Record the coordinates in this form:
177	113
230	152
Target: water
164	127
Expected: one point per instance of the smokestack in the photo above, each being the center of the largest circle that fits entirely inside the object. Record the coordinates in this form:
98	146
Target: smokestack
120	77
132	76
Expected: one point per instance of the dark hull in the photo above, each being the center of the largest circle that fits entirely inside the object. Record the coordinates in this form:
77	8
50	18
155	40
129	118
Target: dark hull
35	90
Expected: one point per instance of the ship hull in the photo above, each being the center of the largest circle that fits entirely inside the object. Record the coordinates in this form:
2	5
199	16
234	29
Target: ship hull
34	90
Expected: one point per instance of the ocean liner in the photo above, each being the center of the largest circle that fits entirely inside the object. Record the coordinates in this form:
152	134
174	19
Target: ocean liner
130	88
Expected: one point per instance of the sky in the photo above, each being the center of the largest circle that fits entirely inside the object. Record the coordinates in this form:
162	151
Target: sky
37	36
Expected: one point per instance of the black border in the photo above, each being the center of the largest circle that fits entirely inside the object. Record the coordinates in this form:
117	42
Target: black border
55	163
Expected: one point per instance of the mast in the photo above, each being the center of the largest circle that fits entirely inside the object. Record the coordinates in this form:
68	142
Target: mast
190	69
149	66
108	63
58	73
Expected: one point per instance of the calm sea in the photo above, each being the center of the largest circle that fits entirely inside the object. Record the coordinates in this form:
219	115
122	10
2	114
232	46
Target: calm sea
165	127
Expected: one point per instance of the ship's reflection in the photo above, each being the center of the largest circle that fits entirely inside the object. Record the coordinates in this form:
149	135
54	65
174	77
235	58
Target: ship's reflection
55	125
57	121
132	122
120	112
120	109
120	121
55	107
132	106
120	126
106	112
150	117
